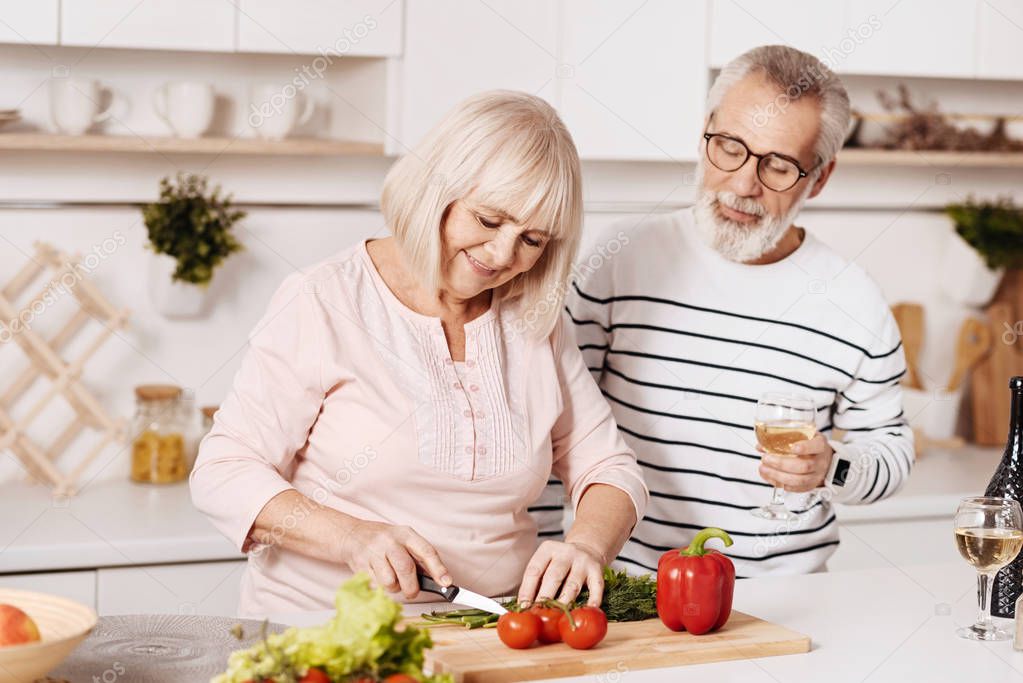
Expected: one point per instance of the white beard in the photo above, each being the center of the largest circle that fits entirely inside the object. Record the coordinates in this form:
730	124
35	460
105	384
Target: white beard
735	241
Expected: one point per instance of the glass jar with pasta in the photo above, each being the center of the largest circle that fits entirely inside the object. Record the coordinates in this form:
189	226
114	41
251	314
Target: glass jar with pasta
159	450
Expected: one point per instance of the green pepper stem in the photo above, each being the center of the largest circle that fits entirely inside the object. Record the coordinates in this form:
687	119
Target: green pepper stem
696	548
550	602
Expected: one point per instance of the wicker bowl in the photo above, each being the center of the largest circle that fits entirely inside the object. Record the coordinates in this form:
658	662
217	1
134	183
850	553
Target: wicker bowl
63	624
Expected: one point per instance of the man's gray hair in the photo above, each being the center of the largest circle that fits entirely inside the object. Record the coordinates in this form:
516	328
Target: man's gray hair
797	74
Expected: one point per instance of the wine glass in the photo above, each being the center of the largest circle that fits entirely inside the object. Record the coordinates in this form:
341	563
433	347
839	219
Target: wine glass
989	535
781	420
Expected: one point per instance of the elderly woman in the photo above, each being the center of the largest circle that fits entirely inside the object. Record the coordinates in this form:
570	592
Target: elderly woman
404	401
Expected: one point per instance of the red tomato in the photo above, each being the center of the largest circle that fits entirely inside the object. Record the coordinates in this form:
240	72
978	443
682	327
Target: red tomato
549	618
314	675
518	630
400	678
590	627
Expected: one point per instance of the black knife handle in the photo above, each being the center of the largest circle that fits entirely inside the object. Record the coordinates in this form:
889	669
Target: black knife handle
430	586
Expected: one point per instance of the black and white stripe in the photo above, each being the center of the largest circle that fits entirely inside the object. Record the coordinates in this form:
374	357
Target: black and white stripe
683	343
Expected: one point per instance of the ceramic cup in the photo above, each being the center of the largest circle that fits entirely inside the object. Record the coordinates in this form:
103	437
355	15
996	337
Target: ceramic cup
185	106
75	104
275	111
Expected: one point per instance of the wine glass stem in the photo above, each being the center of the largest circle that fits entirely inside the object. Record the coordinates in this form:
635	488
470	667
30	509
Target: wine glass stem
778	497
984	599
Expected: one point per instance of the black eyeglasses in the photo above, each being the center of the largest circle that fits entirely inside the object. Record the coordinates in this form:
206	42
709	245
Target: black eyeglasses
776	171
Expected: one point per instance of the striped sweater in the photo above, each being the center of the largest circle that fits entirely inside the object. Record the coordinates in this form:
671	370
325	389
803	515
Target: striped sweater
683	342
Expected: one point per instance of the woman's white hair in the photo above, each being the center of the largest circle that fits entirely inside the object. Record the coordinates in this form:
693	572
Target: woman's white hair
508	150
797	74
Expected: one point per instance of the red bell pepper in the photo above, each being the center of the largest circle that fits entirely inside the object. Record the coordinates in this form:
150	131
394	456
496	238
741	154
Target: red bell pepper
695	585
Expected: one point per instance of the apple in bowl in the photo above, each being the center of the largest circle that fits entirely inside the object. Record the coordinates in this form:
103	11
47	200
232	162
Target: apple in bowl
16	627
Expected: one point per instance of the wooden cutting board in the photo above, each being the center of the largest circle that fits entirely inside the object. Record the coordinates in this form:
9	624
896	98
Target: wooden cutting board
478	656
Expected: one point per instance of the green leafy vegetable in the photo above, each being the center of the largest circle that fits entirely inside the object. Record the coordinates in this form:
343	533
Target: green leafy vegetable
626	598
360	640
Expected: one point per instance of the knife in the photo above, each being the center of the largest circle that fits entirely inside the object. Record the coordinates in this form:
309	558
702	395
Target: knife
462	596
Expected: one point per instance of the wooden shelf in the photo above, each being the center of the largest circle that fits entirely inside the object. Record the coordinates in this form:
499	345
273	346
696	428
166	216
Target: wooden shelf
884	157
43	142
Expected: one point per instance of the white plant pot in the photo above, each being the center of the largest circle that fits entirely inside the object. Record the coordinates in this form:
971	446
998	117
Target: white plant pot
171	298
966	278
934	412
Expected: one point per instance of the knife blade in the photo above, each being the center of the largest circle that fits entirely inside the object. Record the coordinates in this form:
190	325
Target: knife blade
459	595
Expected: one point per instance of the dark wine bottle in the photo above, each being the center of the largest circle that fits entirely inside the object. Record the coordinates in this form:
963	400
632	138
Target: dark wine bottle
1008	483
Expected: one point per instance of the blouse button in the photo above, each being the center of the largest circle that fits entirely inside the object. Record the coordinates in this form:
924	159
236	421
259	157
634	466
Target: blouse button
474	387
482	450
467	413
456	385
470	363
468	449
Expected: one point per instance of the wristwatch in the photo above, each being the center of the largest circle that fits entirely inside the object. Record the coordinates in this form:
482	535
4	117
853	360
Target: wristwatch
839	470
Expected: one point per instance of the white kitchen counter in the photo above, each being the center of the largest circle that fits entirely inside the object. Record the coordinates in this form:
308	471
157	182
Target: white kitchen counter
882	625
110	523
940	478
118	523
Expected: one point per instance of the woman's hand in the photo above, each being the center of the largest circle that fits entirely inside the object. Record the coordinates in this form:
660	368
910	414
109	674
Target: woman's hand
389	554
565	566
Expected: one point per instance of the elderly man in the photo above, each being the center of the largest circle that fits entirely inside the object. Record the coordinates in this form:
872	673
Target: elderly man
708	309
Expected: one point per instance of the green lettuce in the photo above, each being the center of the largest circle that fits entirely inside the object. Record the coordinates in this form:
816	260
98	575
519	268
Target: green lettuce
361	639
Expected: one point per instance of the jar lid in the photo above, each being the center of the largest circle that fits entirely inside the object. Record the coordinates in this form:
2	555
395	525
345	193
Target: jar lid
209	410
157	392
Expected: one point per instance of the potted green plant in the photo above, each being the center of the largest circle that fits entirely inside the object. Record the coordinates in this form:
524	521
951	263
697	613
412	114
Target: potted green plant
190	235
987	239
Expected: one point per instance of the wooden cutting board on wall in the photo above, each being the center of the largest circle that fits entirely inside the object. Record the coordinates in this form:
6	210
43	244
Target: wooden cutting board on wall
989	383
478	656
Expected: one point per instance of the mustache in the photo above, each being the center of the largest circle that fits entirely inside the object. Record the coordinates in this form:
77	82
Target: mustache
744	204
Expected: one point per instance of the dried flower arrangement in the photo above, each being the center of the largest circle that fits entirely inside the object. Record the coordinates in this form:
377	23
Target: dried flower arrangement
915	127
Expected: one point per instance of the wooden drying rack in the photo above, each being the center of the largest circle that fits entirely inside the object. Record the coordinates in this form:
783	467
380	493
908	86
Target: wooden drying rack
46	362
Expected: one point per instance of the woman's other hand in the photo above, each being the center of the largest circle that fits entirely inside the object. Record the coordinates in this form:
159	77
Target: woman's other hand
560	570
390	554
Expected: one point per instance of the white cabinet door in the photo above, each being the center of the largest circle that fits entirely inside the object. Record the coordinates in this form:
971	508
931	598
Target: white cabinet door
80	586
738	25
1000	36
28	22
204	25
200	588
634	77
454	49
337	27
912	37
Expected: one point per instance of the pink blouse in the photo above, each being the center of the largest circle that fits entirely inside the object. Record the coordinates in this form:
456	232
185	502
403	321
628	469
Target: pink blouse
352	398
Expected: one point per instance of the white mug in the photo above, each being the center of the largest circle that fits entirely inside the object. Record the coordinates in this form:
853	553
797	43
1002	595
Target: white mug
273	114
75	104
185	106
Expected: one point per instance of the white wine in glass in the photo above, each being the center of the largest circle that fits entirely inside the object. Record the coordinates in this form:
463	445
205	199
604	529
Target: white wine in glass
989	535
989	549
778	438
781	421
